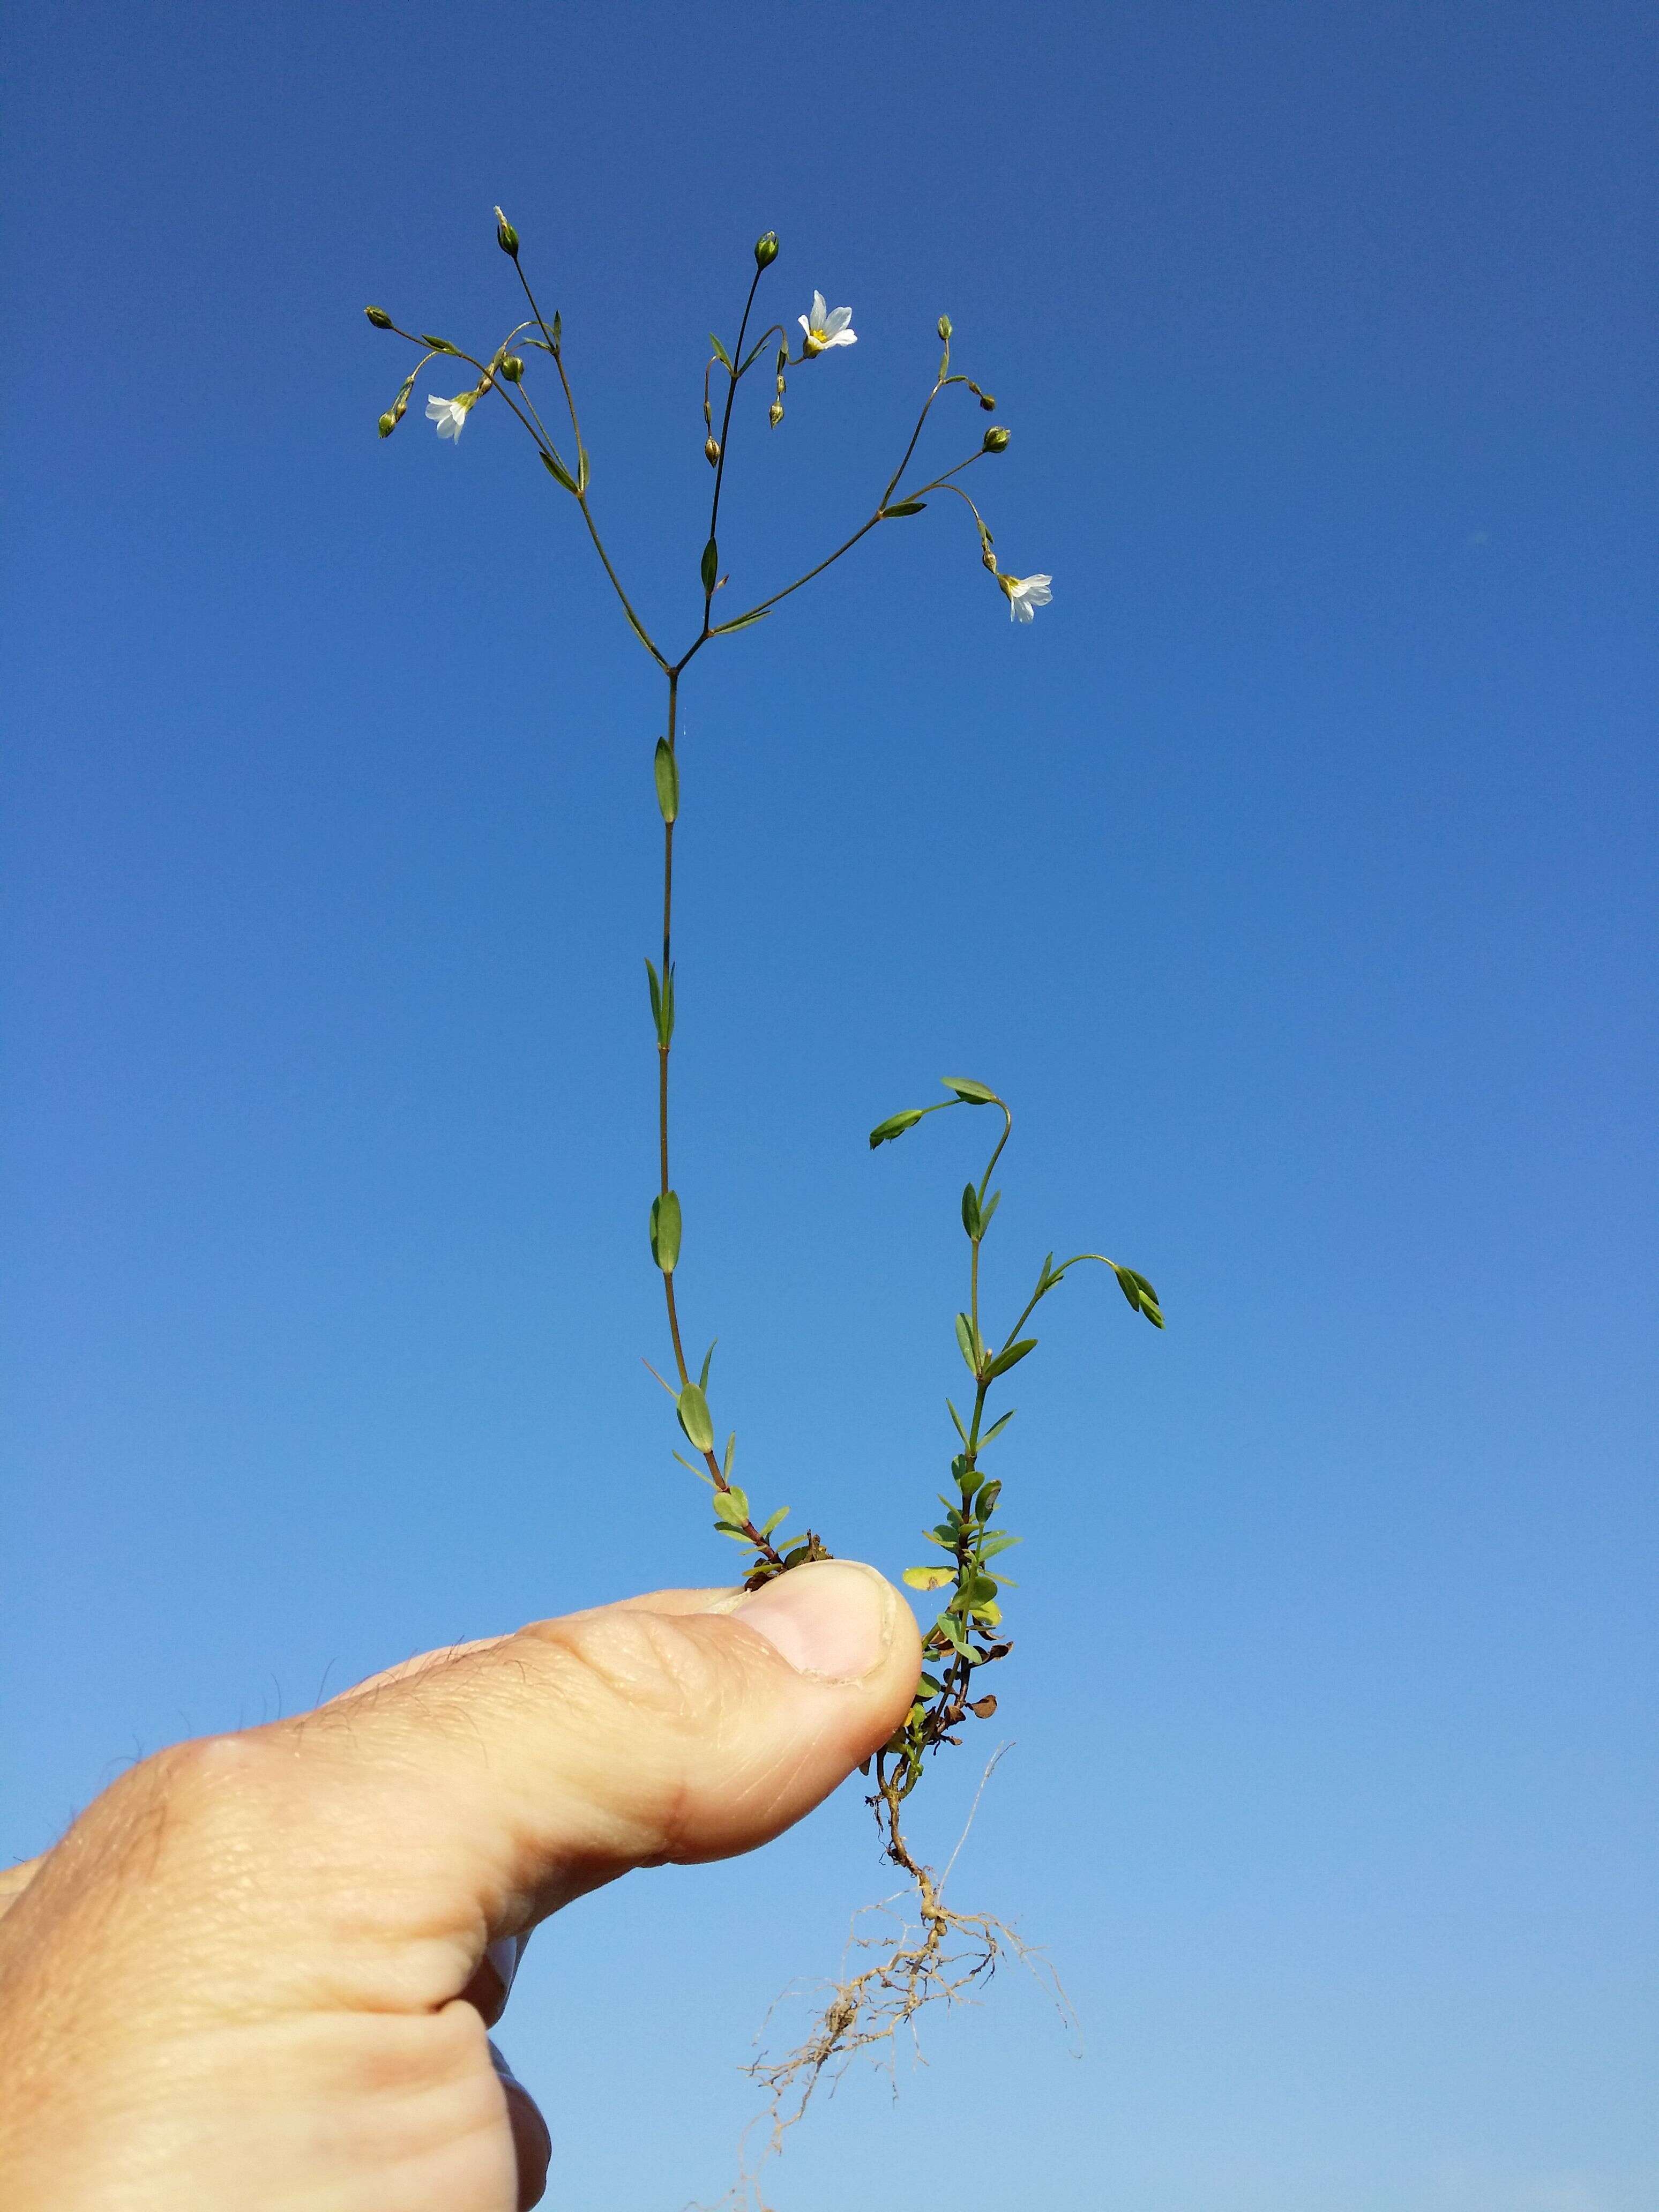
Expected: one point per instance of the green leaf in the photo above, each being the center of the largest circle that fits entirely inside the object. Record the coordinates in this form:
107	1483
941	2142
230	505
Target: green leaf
987	1210
1139	1293
662	1003
581	468
753	353
731	1506
969	1478
438	345
666	770
956	1418
902	506
988	1499
556	469
711	565
926	1578
693	1409
971	1094
725	629
707	1357
997	1427
666	1231
730	1454
970	1220
895	1125
774	1520
1011	1357
1001	1542
966	1338
721	354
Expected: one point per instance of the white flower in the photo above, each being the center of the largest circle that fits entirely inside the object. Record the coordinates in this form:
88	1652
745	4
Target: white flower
450	415
1025	593
824	329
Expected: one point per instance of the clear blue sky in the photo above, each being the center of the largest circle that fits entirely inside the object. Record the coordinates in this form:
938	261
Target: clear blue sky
1293	873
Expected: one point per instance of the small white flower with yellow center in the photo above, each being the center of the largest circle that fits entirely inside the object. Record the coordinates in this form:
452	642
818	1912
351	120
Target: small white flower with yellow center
450	415
1025	595
825	328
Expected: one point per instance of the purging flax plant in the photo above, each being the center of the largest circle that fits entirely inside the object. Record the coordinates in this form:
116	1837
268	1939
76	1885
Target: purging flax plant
941	1950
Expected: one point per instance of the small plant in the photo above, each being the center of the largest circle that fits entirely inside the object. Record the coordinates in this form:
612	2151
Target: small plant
942	1952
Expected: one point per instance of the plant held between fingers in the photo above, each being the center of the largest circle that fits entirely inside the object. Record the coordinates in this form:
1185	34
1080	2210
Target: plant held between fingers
945	1950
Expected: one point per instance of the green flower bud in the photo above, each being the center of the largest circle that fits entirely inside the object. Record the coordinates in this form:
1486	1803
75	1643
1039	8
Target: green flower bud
379	317
766	249
996	439
944	328
513	368
506	237
388	423
774	413
987	403
711	452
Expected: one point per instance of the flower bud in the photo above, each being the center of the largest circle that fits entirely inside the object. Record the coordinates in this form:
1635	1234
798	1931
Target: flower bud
506	237
766	249
987	403
711	452
996	439
379	317
388	423
774	413
513	368
989	559
944	328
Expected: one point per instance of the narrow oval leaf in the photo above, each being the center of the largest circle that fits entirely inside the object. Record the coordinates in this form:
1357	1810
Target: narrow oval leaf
720	354
971	1094
997	1428
1011	1357
666	769
725	629
902	506
581	468
556	469
666	1231
895	1125
965	1340
711	565
693	1409
970	1215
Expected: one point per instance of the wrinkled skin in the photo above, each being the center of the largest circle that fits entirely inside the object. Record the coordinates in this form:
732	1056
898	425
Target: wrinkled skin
259	1971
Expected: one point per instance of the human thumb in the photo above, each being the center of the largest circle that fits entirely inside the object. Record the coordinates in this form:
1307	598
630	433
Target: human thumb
410	1823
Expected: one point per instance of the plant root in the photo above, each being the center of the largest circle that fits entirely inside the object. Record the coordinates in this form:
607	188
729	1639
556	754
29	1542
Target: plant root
928	1954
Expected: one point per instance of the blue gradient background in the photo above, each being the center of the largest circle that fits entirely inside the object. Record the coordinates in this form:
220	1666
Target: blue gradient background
1293	873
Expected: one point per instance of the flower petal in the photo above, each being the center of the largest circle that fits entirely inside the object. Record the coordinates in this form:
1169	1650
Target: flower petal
435	407
804	325
1020	609
819	311
837	321
841	338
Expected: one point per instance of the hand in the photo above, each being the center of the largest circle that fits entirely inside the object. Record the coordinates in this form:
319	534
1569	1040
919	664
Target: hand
257	1972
